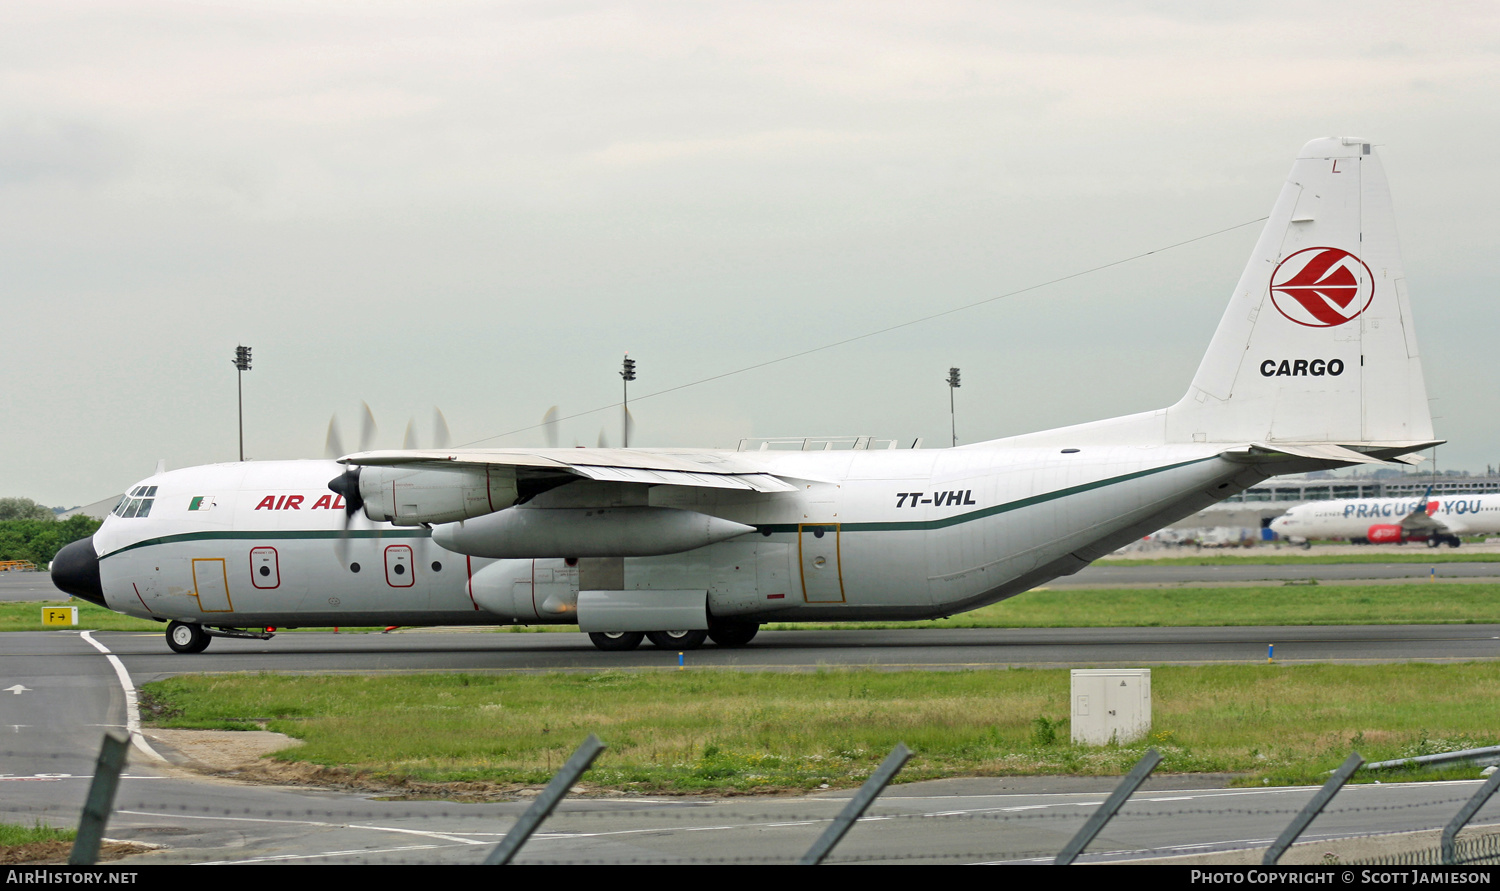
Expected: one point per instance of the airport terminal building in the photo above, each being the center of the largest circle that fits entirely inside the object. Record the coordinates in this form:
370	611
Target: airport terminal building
1299	489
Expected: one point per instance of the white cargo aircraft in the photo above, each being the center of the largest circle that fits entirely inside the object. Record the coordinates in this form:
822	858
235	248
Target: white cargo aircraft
1436	521
1314	365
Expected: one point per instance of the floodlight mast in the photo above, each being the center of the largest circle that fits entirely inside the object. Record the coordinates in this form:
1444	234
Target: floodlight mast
627	374
952	417
241	361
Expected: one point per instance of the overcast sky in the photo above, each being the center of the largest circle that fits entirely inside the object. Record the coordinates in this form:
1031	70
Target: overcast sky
482	206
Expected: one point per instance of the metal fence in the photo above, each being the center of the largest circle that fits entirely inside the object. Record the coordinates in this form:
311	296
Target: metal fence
1448	849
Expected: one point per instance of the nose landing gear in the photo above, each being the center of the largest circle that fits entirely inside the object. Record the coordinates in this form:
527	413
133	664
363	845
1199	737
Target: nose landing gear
186	637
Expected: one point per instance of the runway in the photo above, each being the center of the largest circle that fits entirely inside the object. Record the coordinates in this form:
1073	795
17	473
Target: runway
147	657
69	693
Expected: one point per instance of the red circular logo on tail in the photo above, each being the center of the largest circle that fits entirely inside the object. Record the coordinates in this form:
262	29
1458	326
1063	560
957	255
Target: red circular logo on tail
1322	287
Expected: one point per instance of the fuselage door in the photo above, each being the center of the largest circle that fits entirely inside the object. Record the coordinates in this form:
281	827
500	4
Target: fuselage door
399	567
211	585
265	568
822	575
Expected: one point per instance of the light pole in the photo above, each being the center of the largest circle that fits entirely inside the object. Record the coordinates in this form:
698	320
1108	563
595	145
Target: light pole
627	373
952	417
241	361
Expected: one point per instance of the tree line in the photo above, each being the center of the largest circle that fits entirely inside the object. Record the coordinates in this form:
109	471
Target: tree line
30	531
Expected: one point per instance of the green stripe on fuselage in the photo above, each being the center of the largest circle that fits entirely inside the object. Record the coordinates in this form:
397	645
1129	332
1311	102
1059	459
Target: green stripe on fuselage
273	535
983	512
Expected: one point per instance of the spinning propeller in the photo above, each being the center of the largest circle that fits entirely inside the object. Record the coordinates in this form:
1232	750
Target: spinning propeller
346	484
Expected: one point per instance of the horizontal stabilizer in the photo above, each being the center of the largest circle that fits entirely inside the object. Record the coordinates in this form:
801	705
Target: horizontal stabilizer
1320	451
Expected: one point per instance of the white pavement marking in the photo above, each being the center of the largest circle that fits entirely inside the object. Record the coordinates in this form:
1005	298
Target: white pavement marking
357	852
457	841
443	836
132	704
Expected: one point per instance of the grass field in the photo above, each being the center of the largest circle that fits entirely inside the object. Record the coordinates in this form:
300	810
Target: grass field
34	844
726	731
14	835
28	617
1279	604
1261	558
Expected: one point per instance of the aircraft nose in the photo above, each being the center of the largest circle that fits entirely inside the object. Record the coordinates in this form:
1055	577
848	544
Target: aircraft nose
75	570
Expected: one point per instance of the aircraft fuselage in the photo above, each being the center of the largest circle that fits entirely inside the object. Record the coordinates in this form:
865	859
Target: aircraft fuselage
869	535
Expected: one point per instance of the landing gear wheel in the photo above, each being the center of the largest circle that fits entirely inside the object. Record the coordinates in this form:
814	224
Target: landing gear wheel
616	641
678	640
1434	541
733	634
1454	541
185	637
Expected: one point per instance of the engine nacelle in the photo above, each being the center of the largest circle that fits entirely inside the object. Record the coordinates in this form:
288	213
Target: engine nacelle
586	532
407	496
528	591
1385	533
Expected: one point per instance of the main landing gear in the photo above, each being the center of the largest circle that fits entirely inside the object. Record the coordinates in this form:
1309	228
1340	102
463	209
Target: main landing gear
1451	541
677	640
616	641
725	634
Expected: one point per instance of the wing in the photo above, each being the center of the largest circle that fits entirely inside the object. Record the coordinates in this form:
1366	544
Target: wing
1421	520
651	467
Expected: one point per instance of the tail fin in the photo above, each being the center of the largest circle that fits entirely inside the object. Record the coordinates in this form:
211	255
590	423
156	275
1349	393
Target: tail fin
1317	345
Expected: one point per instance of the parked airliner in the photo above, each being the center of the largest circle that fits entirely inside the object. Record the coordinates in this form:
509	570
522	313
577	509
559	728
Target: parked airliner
1314	365
1436	521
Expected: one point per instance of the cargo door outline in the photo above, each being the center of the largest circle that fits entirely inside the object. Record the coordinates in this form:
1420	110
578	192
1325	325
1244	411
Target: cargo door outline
822	569
400	570
211	585
265	568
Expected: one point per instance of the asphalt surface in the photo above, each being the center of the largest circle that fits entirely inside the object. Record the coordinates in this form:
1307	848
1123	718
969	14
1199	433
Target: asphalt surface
60	694
28	586
147	657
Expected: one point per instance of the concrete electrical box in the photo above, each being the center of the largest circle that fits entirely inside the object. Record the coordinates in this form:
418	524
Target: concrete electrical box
1111	705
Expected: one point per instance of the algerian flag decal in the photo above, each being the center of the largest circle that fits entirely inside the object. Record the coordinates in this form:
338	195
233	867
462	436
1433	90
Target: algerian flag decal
201	502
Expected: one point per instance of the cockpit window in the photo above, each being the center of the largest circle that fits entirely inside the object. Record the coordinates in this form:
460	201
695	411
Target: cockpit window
136	504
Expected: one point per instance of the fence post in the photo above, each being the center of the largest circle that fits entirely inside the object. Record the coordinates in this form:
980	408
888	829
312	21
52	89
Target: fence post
542	808
1464	815
857	805
101	800
1109	808
1313	808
